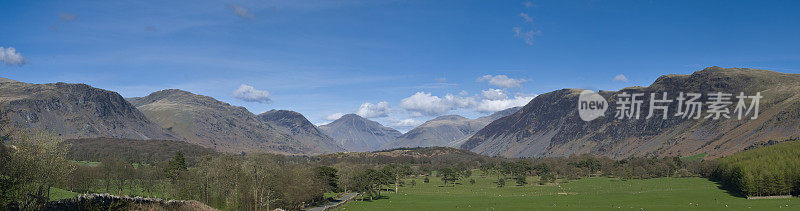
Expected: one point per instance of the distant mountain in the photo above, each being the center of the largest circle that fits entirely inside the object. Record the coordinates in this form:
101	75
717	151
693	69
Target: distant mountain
450	130
6	80
73	111
299	128
214	124
359	134
499	114
550	126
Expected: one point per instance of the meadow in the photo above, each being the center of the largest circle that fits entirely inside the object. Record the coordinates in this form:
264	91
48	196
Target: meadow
595	193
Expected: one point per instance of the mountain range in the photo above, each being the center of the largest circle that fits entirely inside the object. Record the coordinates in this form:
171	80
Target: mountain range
73	111
448	130
359	134
550	124
299	128
214	124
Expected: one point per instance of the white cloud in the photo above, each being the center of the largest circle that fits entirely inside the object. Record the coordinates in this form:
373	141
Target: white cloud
11	57
527	31
490	100
242	12
526	35
462	92
441	80
620	78
67	17
405	123
334	116
494	94
494	105
502	81
250	94
526	17
425	104
528	4
369	110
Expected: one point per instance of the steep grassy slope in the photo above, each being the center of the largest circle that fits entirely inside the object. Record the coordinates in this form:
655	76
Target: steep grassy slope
214	124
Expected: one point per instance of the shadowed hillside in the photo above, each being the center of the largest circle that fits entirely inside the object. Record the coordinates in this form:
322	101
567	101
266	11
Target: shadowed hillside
133	151
299	128
550	126
73	111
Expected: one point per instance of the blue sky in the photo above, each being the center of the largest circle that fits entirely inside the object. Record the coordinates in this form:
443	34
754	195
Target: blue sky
410	60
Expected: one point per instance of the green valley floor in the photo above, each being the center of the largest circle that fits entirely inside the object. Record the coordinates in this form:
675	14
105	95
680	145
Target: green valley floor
597	193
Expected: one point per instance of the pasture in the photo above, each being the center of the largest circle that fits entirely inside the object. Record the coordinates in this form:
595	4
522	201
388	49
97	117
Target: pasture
596	193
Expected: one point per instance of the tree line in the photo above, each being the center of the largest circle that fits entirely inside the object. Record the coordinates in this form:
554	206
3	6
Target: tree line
765	171
32	163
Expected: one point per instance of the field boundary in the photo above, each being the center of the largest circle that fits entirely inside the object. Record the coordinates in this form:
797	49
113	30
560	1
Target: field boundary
337	204
771	197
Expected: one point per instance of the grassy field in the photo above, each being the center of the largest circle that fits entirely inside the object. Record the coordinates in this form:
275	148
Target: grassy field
95	163
590	193
58	193
88	163
695	157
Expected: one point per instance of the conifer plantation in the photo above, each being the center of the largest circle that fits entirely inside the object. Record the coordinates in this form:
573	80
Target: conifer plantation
766	171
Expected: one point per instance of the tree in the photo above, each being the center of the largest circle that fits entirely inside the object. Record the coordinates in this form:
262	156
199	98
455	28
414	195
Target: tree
82	179
448	174
148	177
106	172
546	178
36	163
521	180
346	173
472	181
369	182
541	169
176	166
397	172
115	172
413	183
426	180
501	182
7	183
329	174
488	169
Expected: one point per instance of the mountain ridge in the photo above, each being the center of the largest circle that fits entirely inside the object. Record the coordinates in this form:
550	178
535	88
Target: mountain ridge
74	111
549	125
211	123
299	128
359	134
447	130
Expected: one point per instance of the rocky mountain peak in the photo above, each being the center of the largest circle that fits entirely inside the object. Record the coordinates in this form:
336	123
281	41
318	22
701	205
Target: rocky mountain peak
75	111
356	133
